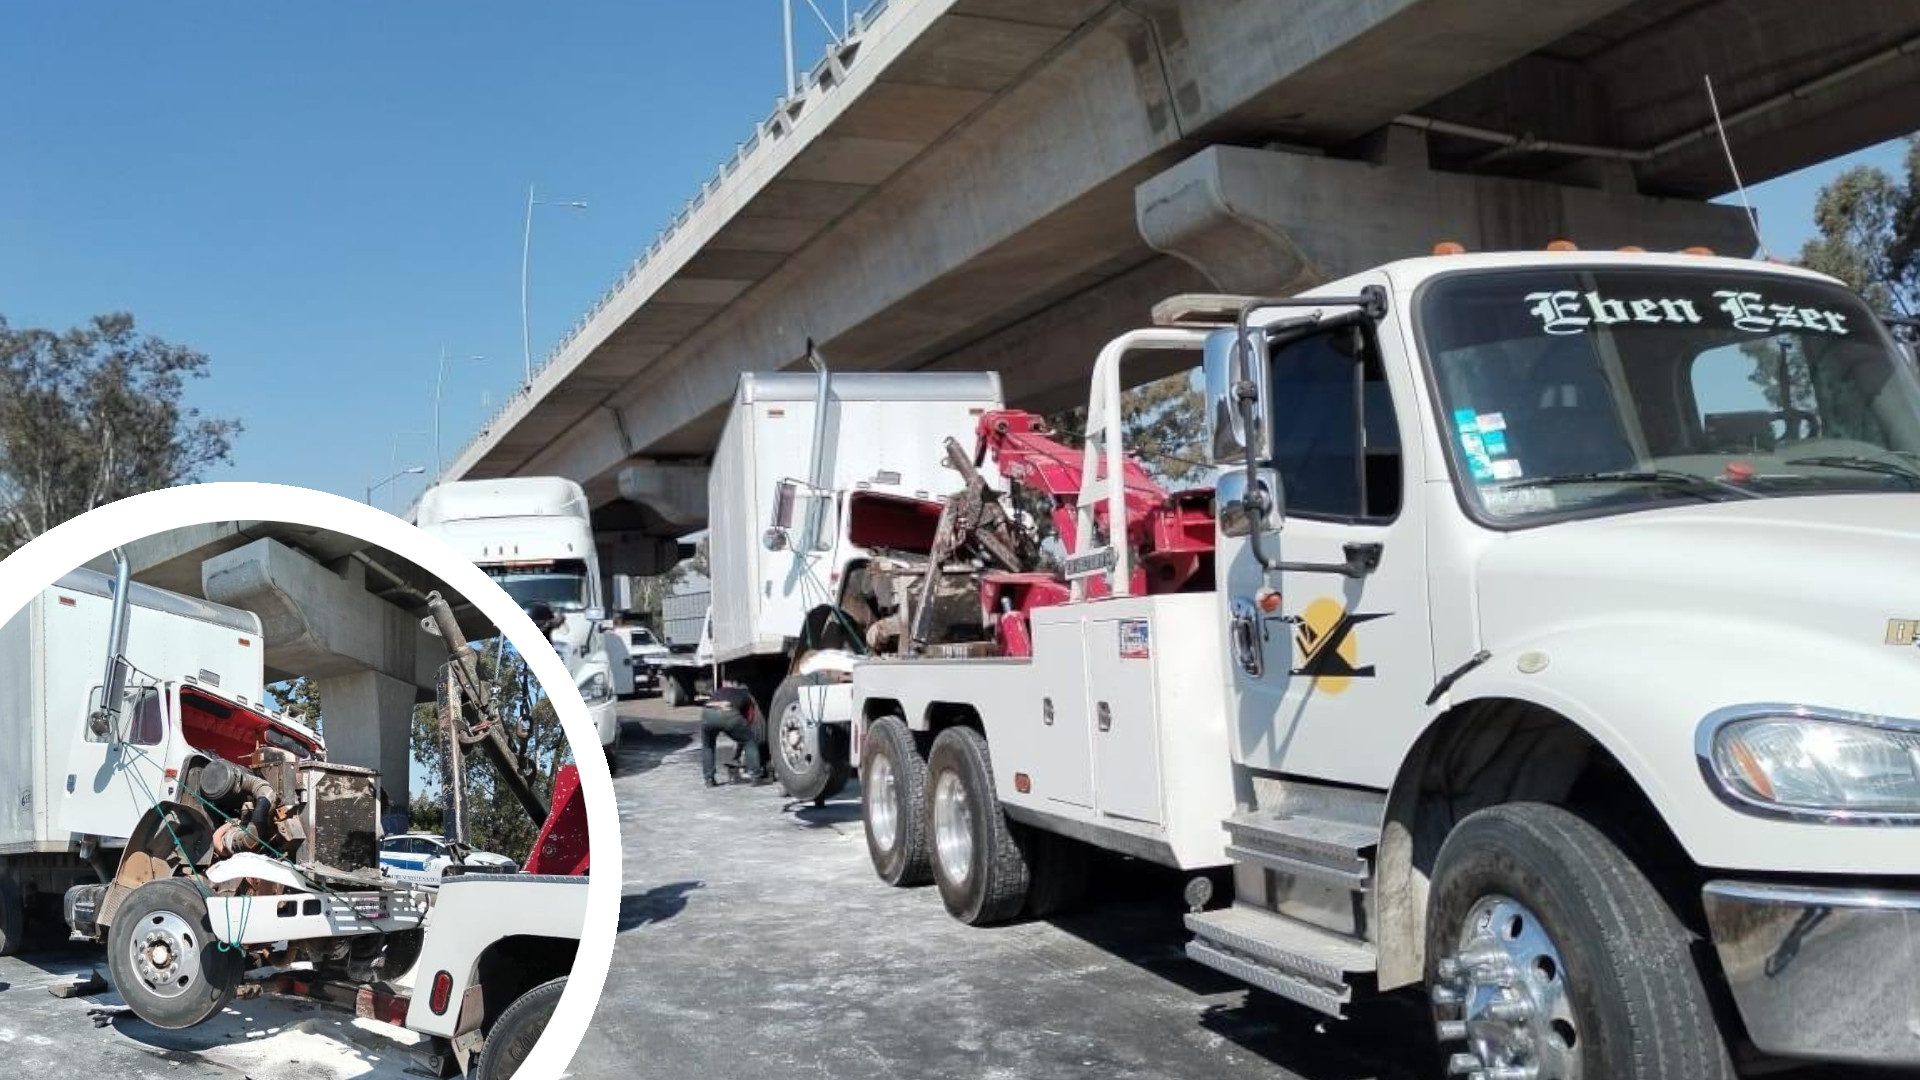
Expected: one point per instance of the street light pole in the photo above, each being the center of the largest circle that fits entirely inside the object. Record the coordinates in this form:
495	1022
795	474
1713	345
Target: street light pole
411	470
439	385
526	253
393	458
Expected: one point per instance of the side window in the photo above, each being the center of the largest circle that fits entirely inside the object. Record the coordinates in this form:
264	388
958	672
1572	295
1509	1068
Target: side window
141	719
1333	462
147	722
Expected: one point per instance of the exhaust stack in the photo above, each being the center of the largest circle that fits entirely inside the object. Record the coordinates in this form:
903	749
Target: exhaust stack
113	682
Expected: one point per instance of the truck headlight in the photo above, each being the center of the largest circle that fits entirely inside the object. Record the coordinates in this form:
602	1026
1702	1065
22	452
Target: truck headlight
596	688
1802	762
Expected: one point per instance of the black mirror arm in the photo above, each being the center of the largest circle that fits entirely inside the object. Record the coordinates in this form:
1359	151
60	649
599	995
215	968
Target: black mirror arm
1362	561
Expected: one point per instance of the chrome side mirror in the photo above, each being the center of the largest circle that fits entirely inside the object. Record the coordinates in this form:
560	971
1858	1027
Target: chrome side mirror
1227	363
1240	515
785	494
595	614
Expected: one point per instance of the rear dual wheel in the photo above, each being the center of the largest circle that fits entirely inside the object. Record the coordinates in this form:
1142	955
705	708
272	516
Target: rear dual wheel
978	860
893	786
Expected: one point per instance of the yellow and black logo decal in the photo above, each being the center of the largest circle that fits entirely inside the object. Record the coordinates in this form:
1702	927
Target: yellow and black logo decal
1329	651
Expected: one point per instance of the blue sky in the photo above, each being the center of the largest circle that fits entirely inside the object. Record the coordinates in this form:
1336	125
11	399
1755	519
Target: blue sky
322	196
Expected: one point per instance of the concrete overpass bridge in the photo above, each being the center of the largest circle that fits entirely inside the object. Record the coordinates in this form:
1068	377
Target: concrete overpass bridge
1004	184
332	607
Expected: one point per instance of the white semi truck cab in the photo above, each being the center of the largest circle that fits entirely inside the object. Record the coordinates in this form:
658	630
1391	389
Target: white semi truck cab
534	536
1556	646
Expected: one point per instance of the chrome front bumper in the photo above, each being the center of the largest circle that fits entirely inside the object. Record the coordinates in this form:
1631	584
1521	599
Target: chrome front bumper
1823	974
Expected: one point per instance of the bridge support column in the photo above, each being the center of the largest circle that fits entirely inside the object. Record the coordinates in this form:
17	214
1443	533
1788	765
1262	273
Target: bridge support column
1274	223
369	723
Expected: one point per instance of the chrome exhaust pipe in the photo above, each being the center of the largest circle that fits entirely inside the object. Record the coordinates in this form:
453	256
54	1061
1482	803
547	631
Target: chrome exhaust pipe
113	682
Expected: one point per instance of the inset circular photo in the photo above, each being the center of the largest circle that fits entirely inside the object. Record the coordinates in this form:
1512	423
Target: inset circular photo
289	788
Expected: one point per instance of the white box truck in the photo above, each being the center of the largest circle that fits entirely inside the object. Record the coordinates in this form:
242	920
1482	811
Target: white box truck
814	475
191	830
533	535
1554	647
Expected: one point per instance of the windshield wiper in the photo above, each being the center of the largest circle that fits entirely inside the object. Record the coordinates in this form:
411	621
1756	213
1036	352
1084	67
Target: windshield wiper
1688	482
1862	464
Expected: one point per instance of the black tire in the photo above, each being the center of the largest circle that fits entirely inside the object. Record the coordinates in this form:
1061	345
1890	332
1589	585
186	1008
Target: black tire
613	752
13	917
1638	1008
673	691
989	884
174	908
891	759
1058	871
383	957
801	753
516	1030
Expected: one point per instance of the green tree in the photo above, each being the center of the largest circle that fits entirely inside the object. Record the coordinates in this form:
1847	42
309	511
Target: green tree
300	700
92	415
1869	233
495	819
1162	425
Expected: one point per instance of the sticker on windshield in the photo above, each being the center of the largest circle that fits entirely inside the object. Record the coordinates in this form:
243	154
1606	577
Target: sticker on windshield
1495	442
1506	469
1520	500
1569	311
1489	422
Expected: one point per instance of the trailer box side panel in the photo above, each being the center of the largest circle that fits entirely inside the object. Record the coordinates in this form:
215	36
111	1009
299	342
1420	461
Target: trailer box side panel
22	733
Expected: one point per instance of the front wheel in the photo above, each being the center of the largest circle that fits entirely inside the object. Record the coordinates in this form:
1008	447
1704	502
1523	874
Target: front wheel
166	962
673	691
800	744
1551	955
516	1030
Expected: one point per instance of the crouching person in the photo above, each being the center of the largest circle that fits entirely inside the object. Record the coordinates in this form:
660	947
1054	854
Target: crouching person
730	711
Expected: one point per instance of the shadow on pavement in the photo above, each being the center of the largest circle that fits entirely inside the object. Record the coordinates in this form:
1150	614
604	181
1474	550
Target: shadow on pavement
823	817
656	905
643	749
1134	912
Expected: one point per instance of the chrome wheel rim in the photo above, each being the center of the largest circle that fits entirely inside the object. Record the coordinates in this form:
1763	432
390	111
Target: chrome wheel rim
953	827
1504	993
166	954
791	739
882	791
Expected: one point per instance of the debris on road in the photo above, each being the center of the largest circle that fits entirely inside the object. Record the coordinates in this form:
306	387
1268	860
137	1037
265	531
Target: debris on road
79	986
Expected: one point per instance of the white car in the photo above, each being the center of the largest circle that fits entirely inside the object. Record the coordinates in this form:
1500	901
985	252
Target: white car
641	644
424	857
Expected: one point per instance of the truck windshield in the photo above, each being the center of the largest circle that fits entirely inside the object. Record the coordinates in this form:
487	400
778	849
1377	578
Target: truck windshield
1593	390
561	585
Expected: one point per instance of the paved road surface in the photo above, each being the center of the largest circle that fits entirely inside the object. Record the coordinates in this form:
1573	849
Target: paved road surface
264	1038
756	942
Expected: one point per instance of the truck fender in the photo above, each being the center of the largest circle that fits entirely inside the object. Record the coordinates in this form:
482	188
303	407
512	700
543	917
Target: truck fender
248	865
1639	692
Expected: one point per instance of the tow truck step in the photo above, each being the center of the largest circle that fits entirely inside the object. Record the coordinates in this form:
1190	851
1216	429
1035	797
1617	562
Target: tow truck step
1318	847
1280	955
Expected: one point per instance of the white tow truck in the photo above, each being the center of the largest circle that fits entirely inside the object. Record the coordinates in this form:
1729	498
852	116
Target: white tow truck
1550	638
815	475
533	535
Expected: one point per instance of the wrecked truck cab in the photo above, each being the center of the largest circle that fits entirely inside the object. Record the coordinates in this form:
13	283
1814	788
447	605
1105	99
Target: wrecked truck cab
255	850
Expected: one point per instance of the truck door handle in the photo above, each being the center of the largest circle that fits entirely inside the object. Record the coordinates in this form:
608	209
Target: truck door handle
1248	632
1106	717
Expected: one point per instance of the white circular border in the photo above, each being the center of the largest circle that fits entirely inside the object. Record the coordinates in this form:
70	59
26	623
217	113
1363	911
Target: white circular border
46	558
